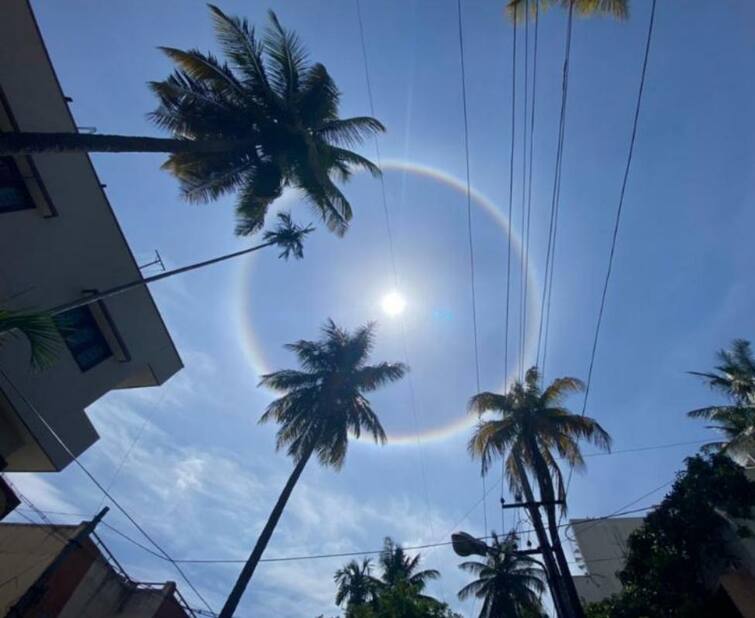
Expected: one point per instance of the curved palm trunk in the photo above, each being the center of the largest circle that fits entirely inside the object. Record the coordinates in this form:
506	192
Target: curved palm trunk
37	143
551	569
119	289
548	494
246	573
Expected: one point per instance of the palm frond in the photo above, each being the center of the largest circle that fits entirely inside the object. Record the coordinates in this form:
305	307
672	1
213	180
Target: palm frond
318	97
561	387
347	160
40	331
207	68
350	131
288	236
619	9
287	55
261	186
488	402
239	43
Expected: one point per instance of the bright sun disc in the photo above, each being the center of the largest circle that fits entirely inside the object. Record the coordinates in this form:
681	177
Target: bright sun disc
393	304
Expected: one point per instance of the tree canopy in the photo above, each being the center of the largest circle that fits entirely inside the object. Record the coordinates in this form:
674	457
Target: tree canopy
676	557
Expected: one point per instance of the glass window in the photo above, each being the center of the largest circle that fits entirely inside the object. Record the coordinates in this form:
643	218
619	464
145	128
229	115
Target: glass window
83	337
13	192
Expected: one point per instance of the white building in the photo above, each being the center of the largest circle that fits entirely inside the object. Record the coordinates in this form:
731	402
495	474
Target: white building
59	238
601	550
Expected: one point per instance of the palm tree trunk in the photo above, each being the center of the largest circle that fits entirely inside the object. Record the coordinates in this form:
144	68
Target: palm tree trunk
560	601
119	289
246	573
548	494
37	143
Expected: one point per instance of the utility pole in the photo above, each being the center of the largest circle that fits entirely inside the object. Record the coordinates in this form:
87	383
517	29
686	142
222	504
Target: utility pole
119	289
559	593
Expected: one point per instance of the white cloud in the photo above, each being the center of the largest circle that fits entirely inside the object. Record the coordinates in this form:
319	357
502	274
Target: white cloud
208	502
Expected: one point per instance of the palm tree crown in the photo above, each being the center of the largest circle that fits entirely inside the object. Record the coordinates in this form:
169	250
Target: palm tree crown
616	8
279	114
508	584
355	583
400	569
325	402
533	422
734	376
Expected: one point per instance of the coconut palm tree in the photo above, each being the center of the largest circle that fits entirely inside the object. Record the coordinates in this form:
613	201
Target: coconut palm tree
734	377
400	569
286	236
39	330
324	403
531	428
507	583
586	8
356	586
263	120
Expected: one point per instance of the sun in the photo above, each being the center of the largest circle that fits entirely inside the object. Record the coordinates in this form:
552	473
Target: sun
393	304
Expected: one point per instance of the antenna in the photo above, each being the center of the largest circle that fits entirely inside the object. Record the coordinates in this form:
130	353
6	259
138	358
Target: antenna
157	260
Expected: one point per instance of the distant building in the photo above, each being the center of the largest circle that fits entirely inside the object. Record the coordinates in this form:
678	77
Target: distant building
59	239
67	572
601	548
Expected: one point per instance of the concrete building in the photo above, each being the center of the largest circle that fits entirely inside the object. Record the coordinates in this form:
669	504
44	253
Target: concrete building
601	548
66	571
601	551
59	239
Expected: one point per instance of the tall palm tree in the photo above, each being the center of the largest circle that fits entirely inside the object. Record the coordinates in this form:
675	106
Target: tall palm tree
286	236
39	330
586	8
356	586
509	584
734	377
400	569
264	120
532	428
324	403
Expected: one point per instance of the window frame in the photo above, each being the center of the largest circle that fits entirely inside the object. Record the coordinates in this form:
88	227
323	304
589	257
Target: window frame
19	183
99	339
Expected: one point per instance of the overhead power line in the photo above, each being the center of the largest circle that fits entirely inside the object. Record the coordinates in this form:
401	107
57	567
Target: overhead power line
350	554
526	184
105	492
622	193
394	266
617	222
622	510
550	260
469	230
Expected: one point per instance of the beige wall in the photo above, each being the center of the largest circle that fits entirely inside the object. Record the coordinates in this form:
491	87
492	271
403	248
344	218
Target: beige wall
83	585
46	261
103	593
25	552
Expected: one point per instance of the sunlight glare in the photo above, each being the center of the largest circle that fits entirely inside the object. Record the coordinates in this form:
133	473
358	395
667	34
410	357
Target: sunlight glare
393	304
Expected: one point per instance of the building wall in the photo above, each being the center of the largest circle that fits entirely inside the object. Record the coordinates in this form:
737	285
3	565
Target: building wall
27	550
49	255
602	547
102	593
83	585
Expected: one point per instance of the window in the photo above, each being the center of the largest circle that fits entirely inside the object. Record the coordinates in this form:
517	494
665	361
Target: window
13	192
83	337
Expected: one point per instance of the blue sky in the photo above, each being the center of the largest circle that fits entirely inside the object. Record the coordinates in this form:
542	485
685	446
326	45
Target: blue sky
192	464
